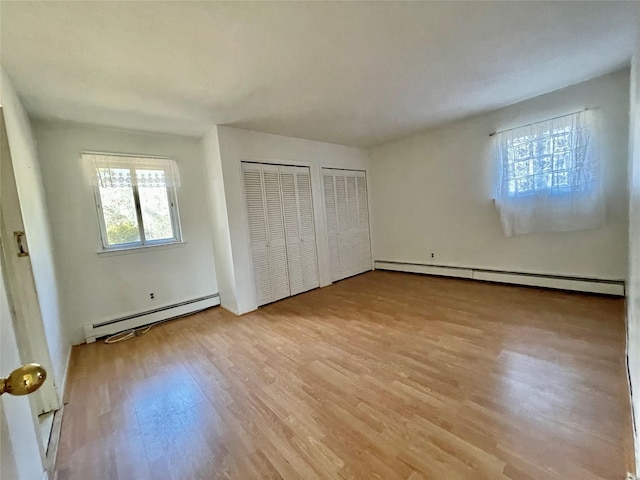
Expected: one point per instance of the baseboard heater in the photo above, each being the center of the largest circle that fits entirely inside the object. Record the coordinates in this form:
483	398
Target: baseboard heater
116	325
559	282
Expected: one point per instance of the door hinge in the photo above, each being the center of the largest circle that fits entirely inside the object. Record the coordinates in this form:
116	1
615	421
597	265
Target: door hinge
19	238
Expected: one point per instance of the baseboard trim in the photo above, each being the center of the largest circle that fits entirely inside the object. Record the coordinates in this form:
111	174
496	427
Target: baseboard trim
62	390
116	325
558	282
54	441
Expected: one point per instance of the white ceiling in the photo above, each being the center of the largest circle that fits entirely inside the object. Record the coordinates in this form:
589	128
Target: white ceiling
350	73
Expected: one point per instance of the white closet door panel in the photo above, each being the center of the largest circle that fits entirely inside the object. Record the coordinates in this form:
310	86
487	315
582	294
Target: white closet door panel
310	266
352	202
330	204
363	208
274	203
281	230
363	220
279	272
307	229
352	266
344	248
345	194
261	272
331	214
258	233
334	258
296	269
290	204
292	222
305	202
365	251
345	233
344	253
354	259
341	204
276	243
255	205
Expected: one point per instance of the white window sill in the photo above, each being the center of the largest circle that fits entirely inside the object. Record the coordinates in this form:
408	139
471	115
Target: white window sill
112	252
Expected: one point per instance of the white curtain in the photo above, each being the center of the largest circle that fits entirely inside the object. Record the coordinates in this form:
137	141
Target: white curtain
110	170
550	176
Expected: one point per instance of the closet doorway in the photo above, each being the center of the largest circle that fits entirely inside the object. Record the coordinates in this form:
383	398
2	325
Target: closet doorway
347	217
281	230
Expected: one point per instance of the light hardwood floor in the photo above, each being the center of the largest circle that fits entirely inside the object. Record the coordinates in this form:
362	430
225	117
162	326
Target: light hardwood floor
385	375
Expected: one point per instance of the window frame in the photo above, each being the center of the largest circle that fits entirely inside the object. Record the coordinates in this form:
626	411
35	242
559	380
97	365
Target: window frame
172	198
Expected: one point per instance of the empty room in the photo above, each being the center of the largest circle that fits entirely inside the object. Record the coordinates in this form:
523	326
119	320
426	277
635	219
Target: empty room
319	240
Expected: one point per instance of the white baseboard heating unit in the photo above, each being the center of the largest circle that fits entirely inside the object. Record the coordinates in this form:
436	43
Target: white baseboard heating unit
559	282
136	320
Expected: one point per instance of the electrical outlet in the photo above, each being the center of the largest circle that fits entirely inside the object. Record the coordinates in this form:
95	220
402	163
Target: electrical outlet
152	295
433	255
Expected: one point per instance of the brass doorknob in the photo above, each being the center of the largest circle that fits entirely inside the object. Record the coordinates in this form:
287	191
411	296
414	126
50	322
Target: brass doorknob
23	380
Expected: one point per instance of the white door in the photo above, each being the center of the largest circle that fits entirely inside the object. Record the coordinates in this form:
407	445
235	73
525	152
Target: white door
21	455
292	229
307	229
258	234
275	226
266	231
20	283
364	246
347	219
331	215
281	230
299	228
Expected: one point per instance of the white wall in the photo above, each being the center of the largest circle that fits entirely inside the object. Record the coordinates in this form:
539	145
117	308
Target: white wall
433	192
95	288
221	236
237	145
633	285
37	227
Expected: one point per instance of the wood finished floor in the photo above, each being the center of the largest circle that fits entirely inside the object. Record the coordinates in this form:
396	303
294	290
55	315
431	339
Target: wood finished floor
385	375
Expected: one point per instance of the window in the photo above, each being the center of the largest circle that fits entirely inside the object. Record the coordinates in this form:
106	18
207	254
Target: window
550	176
135	199
548	156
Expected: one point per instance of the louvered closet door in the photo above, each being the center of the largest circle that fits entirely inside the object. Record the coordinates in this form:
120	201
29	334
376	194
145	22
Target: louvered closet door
258	234
266	231
292	229
275	226
331	214
281	229
347	216
363	223
307	229
342	208
299	227
352	233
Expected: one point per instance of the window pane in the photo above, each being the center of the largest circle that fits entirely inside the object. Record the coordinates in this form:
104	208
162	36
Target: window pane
118	209
154	203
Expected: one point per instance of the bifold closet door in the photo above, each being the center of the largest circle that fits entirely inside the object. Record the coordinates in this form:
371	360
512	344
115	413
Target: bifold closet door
266	231
295	183
364	245
281	230
347	217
